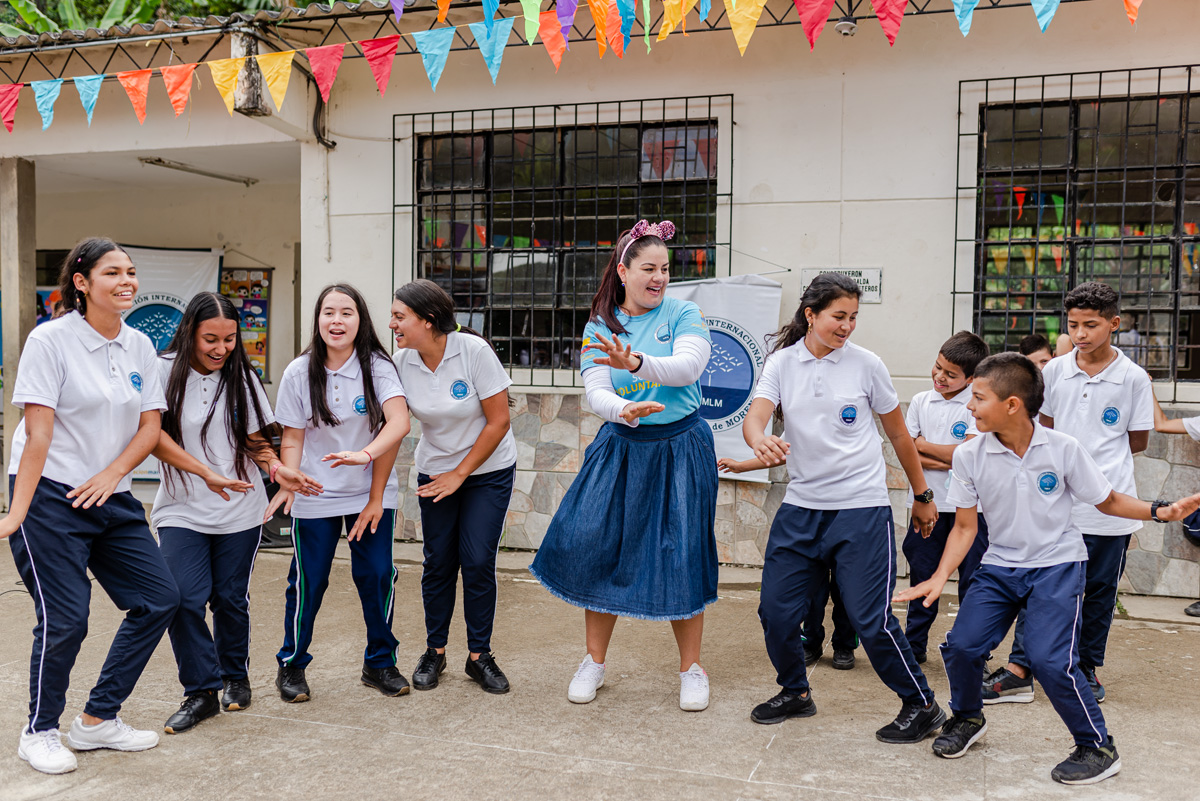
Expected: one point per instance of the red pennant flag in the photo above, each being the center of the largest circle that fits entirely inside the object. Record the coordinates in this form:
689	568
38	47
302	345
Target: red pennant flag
813	16
379	53
137	86
551	31
324	62
616	40
178	80
9	96
890	14
1020	192
1131	9
443	7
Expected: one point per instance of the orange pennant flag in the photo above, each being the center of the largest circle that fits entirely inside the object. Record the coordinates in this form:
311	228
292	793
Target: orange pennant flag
224	74
1131	9
137	86
443	7
599	9
552	39
674	12
616	40
178	80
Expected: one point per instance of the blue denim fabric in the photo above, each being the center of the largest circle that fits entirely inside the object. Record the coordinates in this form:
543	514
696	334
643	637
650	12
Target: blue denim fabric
634	534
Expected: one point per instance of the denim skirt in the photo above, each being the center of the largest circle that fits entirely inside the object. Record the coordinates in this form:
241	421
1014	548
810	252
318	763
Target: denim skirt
634	534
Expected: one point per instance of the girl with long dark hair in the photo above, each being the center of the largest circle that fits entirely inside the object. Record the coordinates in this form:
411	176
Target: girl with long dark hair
341	403
634	533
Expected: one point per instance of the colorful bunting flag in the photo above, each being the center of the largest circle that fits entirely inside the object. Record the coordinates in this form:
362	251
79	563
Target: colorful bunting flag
705	7
964	10
434	47
88	87
1131	10
628	14
224	74
379	54
324	63
1059	201
566	18
443	7
137	86
743	19
490	7
646	23
1020	192
1045	11
530	9
491	43
813	16
674	13
277	72
45	95
890	14
398	9
10	95
178	80
599	9
552	38
616	40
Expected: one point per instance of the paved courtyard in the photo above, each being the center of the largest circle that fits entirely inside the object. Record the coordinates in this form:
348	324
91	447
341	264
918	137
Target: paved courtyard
633	742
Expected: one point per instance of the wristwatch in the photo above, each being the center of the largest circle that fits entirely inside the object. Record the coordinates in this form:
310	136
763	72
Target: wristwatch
924	497
1155	506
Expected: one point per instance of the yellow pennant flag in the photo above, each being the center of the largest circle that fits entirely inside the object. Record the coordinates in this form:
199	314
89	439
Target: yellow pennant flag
673	13
224	73
277	71
743	19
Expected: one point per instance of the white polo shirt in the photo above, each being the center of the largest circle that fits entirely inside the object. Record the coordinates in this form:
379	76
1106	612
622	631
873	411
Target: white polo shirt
836	457
98	389
185	501
447	401
1100	411
347	488
1029	500
941	421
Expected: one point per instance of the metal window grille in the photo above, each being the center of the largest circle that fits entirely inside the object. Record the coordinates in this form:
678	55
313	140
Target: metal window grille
1083	177
515	211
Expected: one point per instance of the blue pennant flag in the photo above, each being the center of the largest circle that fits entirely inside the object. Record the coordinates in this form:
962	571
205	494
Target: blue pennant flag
89	90
1045	10
491	45
628	13
434	47
45	95
705	7
964	9
490	7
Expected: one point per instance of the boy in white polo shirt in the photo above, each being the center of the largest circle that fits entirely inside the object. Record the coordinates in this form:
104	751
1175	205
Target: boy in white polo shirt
1028	477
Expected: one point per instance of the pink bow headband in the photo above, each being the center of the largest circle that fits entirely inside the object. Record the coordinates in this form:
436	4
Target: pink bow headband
664	230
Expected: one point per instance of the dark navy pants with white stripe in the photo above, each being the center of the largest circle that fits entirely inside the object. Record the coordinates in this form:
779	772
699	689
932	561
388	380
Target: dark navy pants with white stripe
315	541
212	571
859	546
54	550
1052	598
924	554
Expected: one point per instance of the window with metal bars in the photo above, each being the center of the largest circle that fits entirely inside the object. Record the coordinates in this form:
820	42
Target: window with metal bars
1101	188
518	222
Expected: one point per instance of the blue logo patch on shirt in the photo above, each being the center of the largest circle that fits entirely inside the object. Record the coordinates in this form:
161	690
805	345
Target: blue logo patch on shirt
849	414
1047	482
1111	415
663	333
959	430
135	380
360	405
459	390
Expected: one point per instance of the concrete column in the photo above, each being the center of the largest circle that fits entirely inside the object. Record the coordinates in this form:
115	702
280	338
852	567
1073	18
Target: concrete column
18	280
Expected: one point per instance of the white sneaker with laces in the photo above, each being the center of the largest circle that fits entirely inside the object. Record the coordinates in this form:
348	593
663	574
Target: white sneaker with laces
115	734
44	751
693	689
588	679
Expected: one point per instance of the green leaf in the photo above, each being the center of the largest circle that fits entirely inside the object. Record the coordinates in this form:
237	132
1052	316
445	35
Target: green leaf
113	14
144	11
69	14
12	31
33	16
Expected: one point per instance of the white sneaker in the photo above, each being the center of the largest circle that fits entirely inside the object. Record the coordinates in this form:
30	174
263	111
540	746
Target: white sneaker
693	689
44	751
115	734
588	679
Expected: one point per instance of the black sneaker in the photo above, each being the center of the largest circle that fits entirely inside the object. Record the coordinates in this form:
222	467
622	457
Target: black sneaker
1089	673
1088	765
236	695
1193	610
1005	687
843	659
292	686
913	724
487	673
958	734
812	655
387	680
783	706
429	667
194	709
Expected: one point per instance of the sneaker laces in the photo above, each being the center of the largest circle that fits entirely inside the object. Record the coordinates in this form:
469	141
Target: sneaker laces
589	670
998	675
122	726
693	680
428	661
1087	753
51	739
782	698
238	685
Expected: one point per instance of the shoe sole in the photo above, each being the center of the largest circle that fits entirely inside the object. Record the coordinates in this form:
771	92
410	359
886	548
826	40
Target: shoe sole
966	747
67	769
847	666
804	713
575	699
235	707
400	692
693	707
929	729
1023	698
298	698
1113	770
93	747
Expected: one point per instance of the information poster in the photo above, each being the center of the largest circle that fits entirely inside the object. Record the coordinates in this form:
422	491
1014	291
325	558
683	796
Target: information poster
250	292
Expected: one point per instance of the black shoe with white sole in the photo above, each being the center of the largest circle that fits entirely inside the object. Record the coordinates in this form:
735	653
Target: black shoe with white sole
958	734
783	706
1088	765
1005	687
914	723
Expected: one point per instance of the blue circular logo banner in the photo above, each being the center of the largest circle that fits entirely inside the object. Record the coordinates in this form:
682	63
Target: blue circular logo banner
1047	482
459	390
1111	416
157	321
728	380
360	405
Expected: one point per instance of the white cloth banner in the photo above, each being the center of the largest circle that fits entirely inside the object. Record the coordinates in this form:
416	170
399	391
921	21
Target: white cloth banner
740	311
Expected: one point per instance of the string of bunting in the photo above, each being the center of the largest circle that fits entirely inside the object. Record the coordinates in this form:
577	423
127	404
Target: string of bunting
613	20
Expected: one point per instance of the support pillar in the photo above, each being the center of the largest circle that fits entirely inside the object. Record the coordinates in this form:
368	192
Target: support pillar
18	280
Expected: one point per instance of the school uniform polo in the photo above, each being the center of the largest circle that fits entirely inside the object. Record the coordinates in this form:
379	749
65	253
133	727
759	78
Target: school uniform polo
347	488
97	387
1100	411
836	459
448	402
185	501
941	421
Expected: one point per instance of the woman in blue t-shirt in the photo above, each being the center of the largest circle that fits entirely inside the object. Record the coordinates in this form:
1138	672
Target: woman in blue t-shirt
634	534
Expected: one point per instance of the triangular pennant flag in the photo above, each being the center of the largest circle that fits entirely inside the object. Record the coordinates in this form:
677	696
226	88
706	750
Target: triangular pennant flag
599	9
743	19
1020	193
646	23
178	80
398	9
705	7
277	72
890	14
1045	11
443	7
224	74
324	63
45	95
1030	255
628	14
672	17
530	9
552	38
10	95
813	16
491	44
88	87
566	17
1131	10
490	7
434	47
1000	257
1059	202
964	10
137	86
613	25
379	54
1057	252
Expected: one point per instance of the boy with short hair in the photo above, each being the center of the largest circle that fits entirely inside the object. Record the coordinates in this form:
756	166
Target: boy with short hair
938	421
1037	348
1028	477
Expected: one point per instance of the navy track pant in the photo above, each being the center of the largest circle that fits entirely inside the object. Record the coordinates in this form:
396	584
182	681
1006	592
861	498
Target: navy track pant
923	555
813	630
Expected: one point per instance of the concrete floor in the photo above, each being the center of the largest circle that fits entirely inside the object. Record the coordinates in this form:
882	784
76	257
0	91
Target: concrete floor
633	742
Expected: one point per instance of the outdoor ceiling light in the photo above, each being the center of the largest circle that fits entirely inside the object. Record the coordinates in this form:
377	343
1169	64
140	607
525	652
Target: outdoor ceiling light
846	26
176	165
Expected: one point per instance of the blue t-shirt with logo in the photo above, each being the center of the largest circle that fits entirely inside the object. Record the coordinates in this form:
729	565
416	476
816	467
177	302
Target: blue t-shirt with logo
654	334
